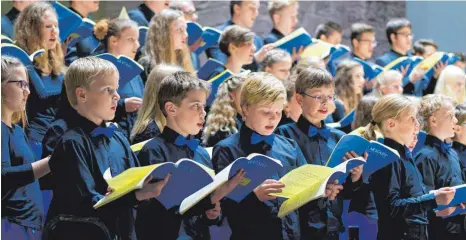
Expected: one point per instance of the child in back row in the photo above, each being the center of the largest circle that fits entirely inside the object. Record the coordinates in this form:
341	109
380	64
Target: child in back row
278	63
438	163
182	98
315	94
459	143
86	150
402	200
151	121
225	117
255	217
120	37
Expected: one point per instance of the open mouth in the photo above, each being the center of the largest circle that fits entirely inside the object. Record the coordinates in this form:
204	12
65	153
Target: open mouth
323	111
269	127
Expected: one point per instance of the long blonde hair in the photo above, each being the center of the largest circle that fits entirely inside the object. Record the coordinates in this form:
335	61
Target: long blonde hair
28	37
159	44
150	109
446	83
9	65
223	113
344	85
389	106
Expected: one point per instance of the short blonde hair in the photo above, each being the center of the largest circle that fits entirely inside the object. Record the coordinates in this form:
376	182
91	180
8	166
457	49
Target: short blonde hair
262	87
446	83
429	105
83	72
385	79
276	6
388	106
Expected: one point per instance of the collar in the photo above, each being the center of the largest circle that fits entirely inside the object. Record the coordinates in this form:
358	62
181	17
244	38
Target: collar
246	135
148	14
13	14
459	146
77	120
437	143
397	53
398	147
356	56
304	125
74	10
171	135
229	23
277	33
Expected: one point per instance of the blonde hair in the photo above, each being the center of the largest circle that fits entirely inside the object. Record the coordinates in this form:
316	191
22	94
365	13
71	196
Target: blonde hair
83	72
389	106
446	83
313	78
276	6
28	36
262	87
223	113
386	79
9	65
344	85
150	109
159	44
429	105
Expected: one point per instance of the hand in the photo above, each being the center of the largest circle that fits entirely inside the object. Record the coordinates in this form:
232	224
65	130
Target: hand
357	171
214	213
369	84
132	104
404	70
445	212
268	186
416	75
227	187
259	55
195	45
64	45
332	190
443	196
439	68
296	56
151	190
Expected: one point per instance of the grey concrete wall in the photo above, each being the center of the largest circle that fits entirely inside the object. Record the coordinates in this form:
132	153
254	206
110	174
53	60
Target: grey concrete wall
312	13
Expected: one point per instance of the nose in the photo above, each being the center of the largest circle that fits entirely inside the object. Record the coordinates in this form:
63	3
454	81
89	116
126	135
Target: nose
254	47
116	96
137	44
26	91
455	120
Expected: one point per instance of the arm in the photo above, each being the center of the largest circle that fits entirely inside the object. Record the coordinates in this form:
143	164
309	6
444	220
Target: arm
404	207
72	163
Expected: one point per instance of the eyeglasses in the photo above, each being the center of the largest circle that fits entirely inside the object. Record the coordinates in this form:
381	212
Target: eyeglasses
321	99
374	43
22	83
410	35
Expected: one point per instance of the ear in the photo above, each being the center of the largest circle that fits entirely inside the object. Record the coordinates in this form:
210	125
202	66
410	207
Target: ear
276	19
170	109
354	42
431	121
236	9
244	109
299	99
391	123
232	96
392	37
231	48
81	94
112	41
267	69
